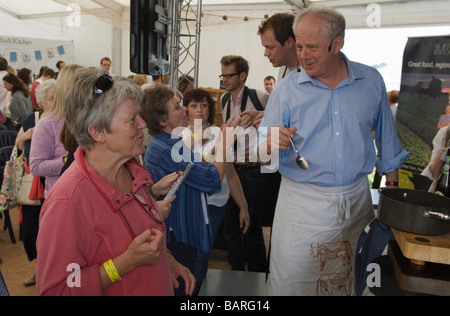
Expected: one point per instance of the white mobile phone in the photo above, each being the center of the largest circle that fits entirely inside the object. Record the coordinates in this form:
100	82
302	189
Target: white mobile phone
179	181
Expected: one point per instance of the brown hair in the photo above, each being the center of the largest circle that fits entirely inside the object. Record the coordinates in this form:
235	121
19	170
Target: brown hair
199	95
393	96
240	63
155	107
281	24
17	84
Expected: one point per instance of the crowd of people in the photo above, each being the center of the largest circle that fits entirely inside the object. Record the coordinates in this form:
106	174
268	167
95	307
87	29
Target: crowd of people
105	215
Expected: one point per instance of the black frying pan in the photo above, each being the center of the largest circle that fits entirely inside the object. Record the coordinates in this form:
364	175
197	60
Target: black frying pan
414	211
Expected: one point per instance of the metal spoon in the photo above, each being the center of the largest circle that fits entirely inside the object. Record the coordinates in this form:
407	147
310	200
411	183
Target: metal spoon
301	162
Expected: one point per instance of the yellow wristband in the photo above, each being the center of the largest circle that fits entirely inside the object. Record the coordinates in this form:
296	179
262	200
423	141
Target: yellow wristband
112	272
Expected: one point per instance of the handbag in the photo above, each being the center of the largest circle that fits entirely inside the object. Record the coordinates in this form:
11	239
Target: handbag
30	191
12	178
25	188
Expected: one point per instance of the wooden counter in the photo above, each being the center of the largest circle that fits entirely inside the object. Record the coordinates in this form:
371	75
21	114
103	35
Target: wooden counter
423	248
421	263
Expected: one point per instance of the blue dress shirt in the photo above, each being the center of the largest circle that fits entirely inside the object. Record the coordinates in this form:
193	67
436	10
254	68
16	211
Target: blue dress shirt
334	127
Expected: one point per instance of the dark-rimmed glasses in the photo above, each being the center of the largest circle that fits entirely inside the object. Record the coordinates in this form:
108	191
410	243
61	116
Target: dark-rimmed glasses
103	84
228	76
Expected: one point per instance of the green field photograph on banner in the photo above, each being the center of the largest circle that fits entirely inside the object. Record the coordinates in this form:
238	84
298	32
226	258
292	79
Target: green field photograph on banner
424	104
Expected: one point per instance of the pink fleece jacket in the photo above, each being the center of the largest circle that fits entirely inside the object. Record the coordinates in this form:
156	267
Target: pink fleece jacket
81	226
47	152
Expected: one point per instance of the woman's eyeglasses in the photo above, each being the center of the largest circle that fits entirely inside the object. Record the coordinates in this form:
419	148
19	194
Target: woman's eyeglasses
152	213
103	84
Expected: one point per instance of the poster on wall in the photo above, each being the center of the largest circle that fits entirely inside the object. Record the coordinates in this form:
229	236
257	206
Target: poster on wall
423	100
33	53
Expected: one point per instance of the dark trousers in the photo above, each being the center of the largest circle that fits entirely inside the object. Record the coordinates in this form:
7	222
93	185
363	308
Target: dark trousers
30	228
269	196
249	248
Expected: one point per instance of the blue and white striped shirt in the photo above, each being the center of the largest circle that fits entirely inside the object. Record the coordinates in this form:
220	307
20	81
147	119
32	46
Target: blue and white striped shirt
187	219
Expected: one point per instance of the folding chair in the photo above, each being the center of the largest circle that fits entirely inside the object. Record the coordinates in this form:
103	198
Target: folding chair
7	138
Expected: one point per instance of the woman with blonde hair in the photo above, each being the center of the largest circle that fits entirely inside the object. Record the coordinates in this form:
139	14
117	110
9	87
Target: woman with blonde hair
45	94
47	153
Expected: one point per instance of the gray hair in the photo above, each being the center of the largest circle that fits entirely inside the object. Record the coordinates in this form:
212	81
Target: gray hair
43	88
334	22
81	111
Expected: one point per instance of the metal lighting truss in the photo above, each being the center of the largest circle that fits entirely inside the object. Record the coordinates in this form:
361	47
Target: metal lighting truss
184	43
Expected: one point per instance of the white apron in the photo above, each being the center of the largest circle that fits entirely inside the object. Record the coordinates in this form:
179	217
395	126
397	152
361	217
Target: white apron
314	235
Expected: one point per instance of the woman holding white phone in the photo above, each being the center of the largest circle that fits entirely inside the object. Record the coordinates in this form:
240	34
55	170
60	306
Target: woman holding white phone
188	221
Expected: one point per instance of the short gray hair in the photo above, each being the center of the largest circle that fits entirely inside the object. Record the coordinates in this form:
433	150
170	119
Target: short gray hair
42	89
81	111
334	22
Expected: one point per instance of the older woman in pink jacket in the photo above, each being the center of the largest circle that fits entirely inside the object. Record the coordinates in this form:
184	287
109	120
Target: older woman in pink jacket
101	232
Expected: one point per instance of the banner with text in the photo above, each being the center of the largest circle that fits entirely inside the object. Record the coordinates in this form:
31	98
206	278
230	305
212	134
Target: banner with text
33	53
424	96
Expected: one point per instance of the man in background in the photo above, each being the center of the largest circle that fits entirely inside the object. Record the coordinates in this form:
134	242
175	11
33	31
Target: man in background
59	65
278	40
269	84
249	250
105	63
164	79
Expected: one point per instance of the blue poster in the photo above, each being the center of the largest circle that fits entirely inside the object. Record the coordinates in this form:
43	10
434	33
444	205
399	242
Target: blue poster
61	50
38	55
13	57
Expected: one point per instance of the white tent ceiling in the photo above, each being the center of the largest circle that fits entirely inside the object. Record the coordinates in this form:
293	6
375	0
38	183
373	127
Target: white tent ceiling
383	45
116	12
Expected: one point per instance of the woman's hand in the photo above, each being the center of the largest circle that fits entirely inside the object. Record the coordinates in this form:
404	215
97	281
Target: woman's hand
165	206
22	137
146	248
179	270
163	186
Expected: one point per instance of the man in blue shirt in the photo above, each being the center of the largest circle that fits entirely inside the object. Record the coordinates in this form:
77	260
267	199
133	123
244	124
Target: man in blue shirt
329	107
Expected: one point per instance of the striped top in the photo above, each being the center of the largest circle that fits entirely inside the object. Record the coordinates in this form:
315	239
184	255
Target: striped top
187	220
